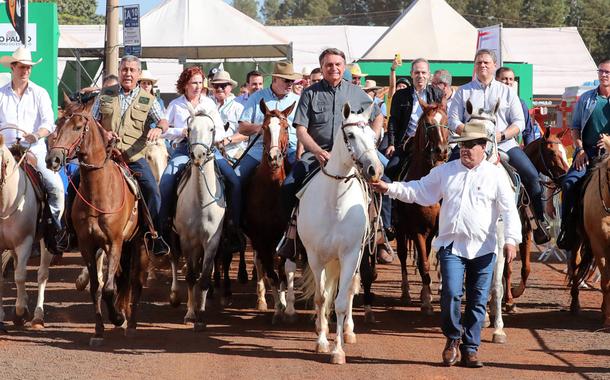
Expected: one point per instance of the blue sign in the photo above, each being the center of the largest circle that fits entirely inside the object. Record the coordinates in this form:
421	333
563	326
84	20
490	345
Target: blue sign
131	30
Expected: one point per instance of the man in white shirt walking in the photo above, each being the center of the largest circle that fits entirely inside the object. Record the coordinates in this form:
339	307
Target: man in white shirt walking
28	106
475	193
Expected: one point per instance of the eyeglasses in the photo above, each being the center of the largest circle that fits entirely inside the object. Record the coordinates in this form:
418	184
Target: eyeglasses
220	85
287	81
471	144
603	72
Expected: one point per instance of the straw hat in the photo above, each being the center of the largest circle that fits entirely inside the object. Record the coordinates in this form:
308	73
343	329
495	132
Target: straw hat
472	131
355	71
285	70
370	85
223	77
22	55
147	75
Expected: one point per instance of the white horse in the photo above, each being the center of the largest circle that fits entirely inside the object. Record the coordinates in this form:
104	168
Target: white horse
333	222
18	218
157	157
200	212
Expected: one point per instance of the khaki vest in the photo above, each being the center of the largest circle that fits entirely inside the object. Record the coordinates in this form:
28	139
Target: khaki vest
131	128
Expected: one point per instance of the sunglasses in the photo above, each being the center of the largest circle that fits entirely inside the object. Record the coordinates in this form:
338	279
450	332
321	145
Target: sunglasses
603	72
471	144
220	85
287	81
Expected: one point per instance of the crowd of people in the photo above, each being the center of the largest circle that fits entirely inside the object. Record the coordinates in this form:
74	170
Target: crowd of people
131	114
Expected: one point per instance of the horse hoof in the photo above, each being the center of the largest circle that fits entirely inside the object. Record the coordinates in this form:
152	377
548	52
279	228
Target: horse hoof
486	321
349	338
19	320
261	306
37	324
189	319
406	299
242	276
337	358
174	299
575	309
498	338
199	327
428	310
512	308
96	342
291	318
130	332
369	318
322	348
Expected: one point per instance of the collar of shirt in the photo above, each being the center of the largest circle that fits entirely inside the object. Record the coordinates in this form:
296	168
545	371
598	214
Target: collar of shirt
482	85
327	86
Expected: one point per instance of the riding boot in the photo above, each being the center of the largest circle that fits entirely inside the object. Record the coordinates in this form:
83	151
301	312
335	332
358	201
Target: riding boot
52	230
157	245
288	249
542	233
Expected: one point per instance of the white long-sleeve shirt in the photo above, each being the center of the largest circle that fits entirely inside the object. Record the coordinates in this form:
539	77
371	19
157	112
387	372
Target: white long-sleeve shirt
473	199
486	97
30	112
177	114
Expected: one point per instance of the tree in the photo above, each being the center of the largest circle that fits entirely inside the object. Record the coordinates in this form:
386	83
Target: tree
269	10
75	11
593	22
247	7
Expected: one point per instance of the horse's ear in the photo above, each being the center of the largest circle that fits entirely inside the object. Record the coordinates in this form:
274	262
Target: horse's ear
288	110
346	110
263	107
496	107
469	107
547	133
368	111
422	103
191	109
67	100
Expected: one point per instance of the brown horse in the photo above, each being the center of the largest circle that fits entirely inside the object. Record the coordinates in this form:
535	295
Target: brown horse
105	217
549	157
596	234
265	222
415	222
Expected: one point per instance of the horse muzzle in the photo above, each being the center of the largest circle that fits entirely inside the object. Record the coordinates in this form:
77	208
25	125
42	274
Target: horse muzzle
372	170
55	160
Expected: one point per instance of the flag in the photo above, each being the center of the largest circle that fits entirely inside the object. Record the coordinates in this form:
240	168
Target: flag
491	38
15	9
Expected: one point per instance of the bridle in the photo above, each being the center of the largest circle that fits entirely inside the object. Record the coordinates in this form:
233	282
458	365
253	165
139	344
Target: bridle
428	146
208	149
73	149
555	179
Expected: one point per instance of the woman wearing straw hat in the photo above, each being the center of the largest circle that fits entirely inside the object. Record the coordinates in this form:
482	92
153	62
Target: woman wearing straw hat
28	106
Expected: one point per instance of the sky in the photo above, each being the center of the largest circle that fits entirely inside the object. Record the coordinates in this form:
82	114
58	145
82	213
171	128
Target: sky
145	5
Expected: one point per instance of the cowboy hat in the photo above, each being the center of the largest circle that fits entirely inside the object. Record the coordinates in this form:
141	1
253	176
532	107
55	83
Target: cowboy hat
223	77
305	72
147	75
285	70
370	85
21	55
355	70
472	131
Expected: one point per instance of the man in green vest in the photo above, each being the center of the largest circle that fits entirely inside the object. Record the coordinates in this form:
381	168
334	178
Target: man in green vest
127	115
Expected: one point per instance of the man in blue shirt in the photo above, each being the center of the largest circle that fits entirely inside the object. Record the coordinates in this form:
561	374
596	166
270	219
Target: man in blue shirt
591	119
279	96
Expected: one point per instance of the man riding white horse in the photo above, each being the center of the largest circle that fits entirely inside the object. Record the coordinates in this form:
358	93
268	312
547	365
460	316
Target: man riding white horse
28	106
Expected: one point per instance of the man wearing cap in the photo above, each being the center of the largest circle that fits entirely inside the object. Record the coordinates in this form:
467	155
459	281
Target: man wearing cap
405	112
278	96
484	92
356	74
318	116
475	193
254	82
127	117
28	106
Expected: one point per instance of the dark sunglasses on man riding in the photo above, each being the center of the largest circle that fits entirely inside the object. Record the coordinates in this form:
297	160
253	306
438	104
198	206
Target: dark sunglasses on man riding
471	143
288	81
220	85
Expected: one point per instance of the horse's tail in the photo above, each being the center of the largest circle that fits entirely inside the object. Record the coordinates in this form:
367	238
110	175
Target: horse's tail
583	269
330	276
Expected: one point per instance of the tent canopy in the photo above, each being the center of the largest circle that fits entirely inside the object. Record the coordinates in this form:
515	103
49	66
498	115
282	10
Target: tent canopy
430	29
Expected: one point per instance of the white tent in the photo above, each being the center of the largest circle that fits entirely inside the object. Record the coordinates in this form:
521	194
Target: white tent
209	29
427	28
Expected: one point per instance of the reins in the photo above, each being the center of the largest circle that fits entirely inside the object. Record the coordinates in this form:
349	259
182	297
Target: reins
4	177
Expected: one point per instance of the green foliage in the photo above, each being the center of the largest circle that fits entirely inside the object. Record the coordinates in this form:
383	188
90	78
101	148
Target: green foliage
247	7
75	11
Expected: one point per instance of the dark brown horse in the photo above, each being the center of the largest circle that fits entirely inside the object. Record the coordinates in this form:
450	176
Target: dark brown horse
549	157
105	217
265	222
415	222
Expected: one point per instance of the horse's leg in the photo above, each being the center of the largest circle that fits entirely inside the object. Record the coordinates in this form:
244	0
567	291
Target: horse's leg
261	303
422	243
138	277
205	280
508	294
95	289
290	314
322	345
191	279
575	289
497	291
82	280
227	257
174	294
242	274
525	253
605	285
2	326
349	336
109	291
346	279
402	252
366	271
282	280
22	253
43	277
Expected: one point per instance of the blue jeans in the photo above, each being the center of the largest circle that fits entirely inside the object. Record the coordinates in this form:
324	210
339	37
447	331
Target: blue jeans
167	183
570	186
233	192
529	175
148	187
386	202
294	181
246	169
479	272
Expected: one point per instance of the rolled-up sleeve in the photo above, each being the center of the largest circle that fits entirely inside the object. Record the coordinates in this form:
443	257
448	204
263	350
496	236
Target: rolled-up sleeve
426	191
456	111
505	201
250	109
301	116
45	112
578	110
156	112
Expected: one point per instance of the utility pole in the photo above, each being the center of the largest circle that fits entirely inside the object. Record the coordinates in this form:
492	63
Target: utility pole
111	48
